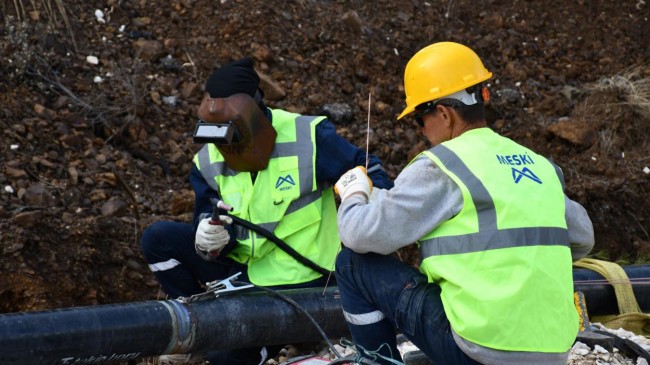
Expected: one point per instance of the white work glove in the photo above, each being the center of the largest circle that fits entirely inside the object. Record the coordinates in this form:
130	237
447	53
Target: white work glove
211	238
352	182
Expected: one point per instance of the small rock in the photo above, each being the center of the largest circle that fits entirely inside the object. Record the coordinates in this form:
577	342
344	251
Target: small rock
14	173
576	132
352	20
272	90
28	219
113	207
337	113
148	50
37	195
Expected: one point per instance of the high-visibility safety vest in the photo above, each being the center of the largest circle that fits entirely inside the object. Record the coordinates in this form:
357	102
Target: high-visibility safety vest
503	262
285	199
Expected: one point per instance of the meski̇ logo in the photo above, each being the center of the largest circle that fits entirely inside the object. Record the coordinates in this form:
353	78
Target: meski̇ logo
525	172
285	183
519	160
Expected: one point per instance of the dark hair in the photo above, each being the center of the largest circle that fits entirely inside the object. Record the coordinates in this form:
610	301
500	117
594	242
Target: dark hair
472	113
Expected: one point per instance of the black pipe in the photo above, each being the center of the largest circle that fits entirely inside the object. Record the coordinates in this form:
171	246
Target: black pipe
107	333
600	296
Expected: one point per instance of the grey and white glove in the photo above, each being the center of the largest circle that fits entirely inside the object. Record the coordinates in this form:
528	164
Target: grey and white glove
211	238
355	181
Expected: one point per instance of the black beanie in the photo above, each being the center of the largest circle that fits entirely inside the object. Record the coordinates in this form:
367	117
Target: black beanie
233	78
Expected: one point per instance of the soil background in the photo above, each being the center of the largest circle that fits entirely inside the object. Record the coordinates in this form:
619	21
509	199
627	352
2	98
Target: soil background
93	152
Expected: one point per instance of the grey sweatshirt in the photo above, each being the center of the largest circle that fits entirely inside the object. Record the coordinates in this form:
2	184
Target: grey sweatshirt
423	198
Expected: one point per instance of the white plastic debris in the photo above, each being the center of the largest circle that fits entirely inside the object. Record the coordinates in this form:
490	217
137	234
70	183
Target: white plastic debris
593	158
646	170
92	60
100	16
14	147
9	189
170	100
98	80
121	28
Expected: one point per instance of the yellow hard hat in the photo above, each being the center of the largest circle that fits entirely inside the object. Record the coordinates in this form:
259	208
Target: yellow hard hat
439	70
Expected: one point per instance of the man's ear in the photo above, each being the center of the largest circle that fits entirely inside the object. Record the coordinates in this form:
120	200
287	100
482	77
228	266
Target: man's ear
445	113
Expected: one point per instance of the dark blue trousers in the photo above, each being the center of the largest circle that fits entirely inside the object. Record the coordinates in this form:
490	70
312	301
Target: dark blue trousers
168	247
374	286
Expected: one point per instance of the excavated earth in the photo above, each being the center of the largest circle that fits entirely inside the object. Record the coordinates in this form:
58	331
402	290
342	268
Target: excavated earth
97	113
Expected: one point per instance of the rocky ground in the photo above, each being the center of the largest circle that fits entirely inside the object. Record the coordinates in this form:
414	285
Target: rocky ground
98	101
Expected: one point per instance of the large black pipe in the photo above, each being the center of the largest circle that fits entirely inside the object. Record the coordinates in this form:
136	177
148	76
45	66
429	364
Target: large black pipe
106	333
600	296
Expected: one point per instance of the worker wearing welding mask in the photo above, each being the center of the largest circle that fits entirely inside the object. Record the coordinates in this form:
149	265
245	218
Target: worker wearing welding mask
273	168
496	234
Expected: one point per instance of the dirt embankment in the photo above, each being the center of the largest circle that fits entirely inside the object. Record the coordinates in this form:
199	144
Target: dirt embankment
97	111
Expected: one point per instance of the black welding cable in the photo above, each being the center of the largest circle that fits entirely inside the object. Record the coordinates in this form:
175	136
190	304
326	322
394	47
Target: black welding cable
302	310
220	208
281	244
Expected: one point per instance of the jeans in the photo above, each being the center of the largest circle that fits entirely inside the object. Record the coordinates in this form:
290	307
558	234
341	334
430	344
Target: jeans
373	286
168	248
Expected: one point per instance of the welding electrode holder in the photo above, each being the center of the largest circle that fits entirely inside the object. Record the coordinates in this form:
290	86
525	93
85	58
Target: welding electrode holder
218	208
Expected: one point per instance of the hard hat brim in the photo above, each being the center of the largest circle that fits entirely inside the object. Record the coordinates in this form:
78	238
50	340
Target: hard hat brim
408	110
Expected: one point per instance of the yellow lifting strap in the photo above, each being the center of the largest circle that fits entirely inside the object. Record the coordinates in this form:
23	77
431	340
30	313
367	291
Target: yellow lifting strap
630	316
617	277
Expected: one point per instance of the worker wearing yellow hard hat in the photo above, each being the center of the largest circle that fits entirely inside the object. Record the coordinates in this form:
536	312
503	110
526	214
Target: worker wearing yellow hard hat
497	235
424	82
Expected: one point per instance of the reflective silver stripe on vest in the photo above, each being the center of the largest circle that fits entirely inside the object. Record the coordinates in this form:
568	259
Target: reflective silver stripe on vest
488	237
241	233
212	170
303	148
363	319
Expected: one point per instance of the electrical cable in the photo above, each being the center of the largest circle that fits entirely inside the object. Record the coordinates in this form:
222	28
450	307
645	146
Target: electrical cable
301	309
281	244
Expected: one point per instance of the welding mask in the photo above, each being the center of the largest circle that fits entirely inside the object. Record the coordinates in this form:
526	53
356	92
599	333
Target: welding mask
239	129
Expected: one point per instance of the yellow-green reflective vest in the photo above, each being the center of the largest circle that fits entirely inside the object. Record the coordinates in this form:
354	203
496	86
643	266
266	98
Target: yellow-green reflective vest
285	199
503	262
